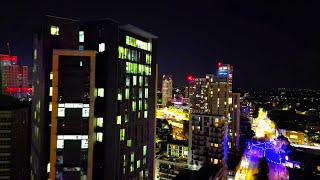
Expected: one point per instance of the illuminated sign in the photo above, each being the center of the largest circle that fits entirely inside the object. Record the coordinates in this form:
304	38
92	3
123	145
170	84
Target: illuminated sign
8	57
15	89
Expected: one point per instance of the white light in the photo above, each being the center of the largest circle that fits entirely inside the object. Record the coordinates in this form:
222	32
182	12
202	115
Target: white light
102	47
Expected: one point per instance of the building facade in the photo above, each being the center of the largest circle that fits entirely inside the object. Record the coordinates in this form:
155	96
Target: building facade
207	140
166	89
111	90
14	139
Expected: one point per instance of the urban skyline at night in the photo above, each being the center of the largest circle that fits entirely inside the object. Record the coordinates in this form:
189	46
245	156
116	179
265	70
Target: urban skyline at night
270	45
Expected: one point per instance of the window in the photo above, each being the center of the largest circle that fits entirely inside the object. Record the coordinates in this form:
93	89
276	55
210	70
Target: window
132	157
99	136
134	80
131	168
102	47
50	106
51	76
80	63
118	119
81	36
100	92
60	143
85	112
81	48
145	150
129	143
127	93
138	164
122	134
145	114
100	122
133	105
61	112
50	91
54	30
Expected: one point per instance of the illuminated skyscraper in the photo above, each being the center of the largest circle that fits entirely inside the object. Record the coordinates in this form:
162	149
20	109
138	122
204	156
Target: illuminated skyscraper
13	77
94	101
166	89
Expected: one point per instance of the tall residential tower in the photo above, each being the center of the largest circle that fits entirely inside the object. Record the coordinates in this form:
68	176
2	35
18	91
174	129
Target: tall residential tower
94	101
166	89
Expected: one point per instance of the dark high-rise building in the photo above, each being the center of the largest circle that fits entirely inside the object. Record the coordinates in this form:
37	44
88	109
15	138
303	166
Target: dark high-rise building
94	101
14	139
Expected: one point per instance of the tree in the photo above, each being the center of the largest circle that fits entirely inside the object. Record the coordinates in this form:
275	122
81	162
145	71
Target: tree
263	170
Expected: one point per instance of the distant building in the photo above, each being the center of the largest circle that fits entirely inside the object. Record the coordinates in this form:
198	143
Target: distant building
14	78
208	141
178	148
296	137
14	139
166	89
168	168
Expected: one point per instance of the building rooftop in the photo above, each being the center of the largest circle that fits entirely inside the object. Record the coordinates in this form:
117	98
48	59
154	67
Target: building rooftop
138	31
9	103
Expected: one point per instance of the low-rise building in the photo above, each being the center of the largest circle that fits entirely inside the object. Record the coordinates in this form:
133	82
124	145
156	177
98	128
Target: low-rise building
168	168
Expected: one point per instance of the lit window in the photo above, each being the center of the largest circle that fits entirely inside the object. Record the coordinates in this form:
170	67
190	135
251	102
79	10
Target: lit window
132	157
129	143
48	167
124	170
54	30
81	36
133	105
140	81
126	118
127	93
134	80
84	143
144	160
138	164
145	114
35	54
119	95
216	120
60	143
131	168
81	48
99	136
215	161
230	100
50	91
145	150
100	122
85	112
80	63
140	105
51	75
216	145
118	119
61	112
102	47
50	106
146	92
100	92
122	134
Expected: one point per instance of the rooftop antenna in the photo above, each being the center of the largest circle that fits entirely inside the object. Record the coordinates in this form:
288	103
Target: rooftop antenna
9	48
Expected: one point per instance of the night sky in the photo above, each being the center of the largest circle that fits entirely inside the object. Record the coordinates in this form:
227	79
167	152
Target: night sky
271	43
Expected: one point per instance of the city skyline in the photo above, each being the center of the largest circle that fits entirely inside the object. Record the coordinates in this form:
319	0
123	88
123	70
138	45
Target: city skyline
271	43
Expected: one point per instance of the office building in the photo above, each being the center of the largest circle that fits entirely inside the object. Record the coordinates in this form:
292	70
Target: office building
96	83
208	141
166	89
13	77
14	139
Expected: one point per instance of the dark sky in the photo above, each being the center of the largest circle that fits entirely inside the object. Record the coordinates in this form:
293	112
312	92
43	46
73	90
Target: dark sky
270	43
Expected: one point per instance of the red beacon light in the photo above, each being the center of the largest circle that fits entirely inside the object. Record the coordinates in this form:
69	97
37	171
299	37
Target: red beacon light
219	63
190	78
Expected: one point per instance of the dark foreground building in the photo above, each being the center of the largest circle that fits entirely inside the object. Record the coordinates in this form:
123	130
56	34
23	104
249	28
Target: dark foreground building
93	101
14	139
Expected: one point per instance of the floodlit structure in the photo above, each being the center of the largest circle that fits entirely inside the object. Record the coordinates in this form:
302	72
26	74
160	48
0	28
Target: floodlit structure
94	101
166	89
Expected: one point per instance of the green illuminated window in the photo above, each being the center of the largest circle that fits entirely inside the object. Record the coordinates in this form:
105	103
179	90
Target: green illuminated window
118	119
146	81
140	105
126	119
54	30
81	36
129	143
132	157
145	150
146	92
145	114
140	81
131	168
134	79
100	122
122	134
145	104
138	164
121	52
127	93
148	59
119	95
133	105
140	92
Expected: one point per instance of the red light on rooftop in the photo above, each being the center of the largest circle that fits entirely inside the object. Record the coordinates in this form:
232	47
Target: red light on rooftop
16	89
231	67
190	78
219	63
5	57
